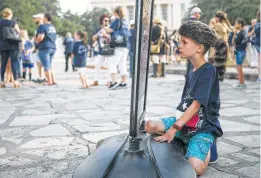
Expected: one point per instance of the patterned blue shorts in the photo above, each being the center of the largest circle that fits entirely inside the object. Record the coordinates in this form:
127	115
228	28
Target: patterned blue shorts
198	145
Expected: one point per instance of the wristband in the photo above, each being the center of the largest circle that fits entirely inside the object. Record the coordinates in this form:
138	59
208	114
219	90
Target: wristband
175	126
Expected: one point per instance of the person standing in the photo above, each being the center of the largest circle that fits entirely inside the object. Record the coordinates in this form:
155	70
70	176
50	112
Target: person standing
256	42
26	54
118	29
9	48
46	37
79	56
251	49
68	43
39	20
131	45
98	38
157	32
240	46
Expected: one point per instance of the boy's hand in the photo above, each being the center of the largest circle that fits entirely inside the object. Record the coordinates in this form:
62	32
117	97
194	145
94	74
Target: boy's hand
168	136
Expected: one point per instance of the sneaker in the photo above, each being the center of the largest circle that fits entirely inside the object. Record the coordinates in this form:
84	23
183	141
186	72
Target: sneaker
240	86
258	80
113	86
122	85
213	153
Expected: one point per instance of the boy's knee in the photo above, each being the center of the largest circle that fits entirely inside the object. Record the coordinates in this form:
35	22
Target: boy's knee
198	165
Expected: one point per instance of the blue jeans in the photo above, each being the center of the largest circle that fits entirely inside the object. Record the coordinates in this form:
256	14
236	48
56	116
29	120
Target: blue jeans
13	54
198	145
19	65
131	62
46	57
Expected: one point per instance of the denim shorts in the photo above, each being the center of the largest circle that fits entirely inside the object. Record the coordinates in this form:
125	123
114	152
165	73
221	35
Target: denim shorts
240	56
198	145
46	57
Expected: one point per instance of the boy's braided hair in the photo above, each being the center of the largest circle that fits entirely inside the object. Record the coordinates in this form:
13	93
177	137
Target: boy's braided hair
206	36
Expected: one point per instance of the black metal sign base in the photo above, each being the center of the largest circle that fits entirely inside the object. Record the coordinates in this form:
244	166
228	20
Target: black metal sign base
154	160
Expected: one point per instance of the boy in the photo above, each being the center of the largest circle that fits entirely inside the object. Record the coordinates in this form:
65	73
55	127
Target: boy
196	122
240	41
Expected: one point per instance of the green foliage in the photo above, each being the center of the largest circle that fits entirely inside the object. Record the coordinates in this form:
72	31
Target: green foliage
64	22
245	9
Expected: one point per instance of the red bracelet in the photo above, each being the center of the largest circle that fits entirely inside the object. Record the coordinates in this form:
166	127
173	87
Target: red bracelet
175	126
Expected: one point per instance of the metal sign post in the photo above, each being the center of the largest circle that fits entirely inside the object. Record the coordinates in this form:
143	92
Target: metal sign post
137	155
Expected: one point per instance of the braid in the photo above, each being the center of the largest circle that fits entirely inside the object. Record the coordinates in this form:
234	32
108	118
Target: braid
206	36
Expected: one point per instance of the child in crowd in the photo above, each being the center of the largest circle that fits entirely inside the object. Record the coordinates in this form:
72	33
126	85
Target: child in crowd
27	50
79	56
197	119
240	40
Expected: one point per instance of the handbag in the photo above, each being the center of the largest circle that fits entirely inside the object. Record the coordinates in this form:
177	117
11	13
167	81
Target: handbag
118	38
9	33
155	48
107	50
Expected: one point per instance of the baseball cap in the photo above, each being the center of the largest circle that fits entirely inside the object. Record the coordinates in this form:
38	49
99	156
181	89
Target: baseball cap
41	16
195	10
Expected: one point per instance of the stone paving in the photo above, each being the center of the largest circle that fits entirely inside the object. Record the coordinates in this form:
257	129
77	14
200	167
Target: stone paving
45	132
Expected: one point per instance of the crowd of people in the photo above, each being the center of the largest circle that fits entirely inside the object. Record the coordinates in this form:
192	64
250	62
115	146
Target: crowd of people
113	47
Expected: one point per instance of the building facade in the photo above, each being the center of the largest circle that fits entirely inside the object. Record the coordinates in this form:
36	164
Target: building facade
170	11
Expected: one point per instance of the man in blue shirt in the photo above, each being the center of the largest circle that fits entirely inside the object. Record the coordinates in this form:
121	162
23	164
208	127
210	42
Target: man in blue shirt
46	37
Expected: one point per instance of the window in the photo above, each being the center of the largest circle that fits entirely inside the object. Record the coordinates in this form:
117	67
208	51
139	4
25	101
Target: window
131	12
164	12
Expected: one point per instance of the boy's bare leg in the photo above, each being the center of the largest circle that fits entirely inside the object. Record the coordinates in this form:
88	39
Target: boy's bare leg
198	165
155	127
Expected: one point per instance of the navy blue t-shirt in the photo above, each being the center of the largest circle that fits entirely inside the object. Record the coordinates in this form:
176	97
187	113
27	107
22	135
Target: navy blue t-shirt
80	54
50	36
7	44
68	43
27	46
240	37
120	25
202	85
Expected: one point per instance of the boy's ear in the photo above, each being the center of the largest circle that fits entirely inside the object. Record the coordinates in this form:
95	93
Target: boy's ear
201	48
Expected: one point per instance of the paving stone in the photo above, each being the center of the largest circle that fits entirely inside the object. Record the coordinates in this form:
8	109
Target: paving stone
51	130
248	141
34	172
225	105
255	119
14	139
245	157
236	126
2	151
225	148
234	101
213	173
253	171
47	142
33	120
238	111
257	151
34	112
224	162
95	137
10	132
14	161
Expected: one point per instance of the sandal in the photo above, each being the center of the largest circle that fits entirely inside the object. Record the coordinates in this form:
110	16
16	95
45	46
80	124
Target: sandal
2	85
16	84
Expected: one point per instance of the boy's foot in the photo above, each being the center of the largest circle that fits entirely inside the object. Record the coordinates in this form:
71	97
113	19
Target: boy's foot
154	76
113	85
240	86
162	75
213	153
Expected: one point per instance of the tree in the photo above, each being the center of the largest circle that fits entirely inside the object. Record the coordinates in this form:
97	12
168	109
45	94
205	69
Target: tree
234	9
91	20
